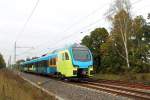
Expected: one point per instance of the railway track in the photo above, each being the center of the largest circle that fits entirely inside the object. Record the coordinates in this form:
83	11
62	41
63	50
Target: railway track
114	87
135	93
68	90
127	84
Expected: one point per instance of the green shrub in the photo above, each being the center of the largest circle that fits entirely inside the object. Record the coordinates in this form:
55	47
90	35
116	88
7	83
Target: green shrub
2	62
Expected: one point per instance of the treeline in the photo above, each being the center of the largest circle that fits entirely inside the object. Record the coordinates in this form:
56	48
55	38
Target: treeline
126	48
2	62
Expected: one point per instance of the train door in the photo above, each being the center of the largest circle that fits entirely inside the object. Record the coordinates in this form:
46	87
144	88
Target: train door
52	65
64	63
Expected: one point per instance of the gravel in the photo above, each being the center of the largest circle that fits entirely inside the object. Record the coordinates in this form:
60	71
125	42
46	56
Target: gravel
69	91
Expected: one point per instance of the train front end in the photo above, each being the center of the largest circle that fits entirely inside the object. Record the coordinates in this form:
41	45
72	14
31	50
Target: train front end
82	61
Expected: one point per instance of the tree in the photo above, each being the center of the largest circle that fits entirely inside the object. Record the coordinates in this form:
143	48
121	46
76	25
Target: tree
111	62
148	16
94	42
139	45
119	15
2	62
146	42
87	41
18	63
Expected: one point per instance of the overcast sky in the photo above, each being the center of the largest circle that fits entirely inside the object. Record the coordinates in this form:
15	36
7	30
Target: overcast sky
54	23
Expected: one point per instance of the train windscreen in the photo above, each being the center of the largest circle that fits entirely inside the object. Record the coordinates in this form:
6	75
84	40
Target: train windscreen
81	54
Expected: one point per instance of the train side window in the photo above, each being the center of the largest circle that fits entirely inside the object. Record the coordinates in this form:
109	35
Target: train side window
54	61
30	65
40	63
63	56
51	62
46	63
66	56
36	64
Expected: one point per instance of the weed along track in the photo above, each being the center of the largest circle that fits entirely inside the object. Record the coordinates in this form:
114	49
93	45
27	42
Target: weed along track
13	87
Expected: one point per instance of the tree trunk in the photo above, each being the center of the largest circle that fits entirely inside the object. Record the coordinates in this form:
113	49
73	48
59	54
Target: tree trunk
127	57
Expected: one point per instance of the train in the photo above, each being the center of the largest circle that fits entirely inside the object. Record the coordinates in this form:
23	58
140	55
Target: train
74	61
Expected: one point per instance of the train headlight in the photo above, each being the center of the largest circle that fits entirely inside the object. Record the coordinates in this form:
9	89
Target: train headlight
74	72
91	72
90	66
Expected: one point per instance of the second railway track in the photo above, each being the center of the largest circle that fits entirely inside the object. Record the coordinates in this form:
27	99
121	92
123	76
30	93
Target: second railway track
134	93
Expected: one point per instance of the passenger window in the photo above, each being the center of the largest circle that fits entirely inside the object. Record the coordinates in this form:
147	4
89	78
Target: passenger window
66	56
54	61
50	62
63	57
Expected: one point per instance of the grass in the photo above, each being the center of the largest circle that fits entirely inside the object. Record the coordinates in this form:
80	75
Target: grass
141	77
12	87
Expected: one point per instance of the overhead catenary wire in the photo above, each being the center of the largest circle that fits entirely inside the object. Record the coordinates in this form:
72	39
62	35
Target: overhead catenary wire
68	28
73	34
79	21
83	18
66	37
91	24
27	20
78	31
23	28
136	2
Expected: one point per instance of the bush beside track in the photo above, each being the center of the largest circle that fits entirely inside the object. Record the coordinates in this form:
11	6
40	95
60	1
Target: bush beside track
141	77
12	87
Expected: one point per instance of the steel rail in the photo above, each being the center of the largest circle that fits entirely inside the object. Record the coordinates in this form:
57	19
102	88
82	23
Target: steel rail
119	90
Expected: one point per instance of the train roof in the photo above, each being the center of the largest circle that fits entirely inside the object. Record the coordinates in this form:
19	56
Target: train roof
53	54
41	58
75	45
